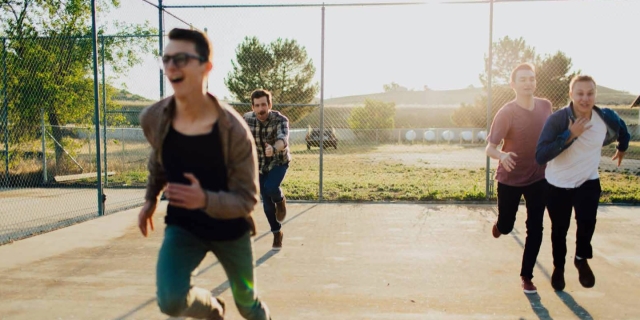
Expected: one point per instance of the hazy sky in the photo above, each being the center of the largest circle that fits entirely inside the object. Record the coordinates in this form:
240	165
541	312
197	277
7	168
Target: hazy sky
438	45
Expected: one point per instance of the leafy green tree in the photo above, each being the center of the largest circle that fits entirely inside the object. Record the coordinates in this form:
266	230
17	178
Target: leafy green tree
552	77
374	115
49	59
282	67
394	87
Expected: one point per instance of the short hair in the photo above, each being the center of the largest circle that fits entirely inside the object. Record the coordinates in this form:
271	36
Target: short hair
259	93
203	46
522	66
580	78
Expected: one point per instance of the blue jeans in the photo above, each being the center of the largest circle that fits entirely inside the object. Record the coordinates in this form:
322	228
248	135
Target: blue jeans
271	193
180	255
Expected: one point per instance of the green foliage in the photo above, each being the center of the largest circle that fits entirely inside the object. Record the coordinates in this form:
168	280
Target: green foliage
475	115
552	76
507	53
394	87
49	58
281	67
373	115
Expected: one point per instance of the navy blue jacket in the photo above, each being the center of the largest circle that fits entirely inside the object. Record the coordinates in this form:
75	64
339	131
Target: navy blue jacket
556	132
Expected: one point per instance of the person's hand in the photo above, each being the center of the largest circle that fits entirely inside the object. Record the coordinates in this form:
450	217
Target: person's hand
268	150
188	196
145	218
578	127
619	155
507	161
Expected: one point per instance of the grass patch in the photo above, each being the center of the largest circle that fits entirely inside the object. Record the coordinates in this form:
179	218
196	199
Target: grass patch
632	153
357	179
364	173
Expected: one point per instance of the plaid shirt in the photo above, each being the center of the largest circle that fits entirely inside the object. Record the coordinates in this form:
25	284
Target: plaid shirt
275	128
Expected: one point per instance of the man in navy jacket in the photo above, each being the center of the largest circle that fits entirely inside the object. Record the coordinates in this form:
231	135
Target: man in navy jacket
571	146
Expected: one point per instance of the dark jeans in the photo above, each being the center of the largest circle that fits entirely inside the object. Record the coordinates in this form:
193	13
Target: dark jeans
180	255
584	200
508	202
272	193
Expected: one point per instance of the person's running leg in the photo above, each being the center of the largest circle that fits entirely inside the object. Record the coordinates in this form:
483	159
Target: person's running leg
180	254
236	257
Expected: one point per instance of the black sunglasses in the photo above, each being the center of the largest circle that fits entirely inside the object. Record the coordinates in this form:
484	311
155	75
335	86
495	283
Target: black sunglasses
180	59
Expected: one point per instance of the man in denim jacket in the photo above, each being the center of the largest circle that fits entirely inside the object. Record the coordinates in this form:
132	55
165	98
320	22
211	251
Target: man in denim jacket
571	146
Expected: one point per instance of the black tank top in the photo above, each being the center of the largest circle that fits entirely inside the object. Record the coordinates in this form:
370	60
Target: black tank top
202	156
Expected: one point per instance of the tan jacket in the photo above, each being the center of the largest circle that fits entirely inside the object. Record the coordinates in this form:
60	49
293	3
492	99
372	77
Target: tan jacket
240	158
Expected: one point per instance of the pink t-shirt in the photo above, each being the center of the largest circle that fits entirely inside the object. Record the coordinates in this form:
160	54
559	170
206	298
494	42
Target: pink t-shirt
520	130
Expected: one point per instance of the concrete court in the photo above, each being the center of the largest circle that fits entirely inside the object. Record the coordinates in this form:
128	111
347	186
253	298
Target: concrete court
339	261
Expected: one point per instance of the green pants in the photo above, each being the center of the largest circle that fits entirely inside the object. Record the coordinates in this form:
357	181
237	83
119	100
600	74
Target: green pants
182	253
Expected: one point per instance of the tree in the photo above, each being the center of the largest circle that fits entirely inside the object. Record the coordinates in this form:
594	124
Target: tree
281	67
394	87
507	53
374	115
49	55
552	77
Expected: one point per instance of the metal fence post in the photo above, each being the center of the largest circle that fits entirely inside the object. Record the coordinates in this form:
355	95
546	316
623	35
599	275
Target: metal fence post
321	105
45	178
96	115
160	44
5	109
104	111
490	69
123	147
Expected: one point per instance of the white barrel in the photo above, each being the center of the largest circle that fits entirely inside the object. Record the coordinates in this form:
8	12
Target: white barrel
482	135
429	135
410	135
448	135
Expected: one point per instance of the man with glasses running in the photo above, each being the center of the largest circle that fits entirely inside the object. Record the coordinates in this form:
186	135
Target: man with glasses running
204	154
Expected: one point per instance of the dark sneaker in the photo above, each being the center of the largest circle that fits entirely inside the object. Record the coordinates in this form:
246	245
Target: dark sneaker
495	232
585	275
217	314
527	286
277	240
557	279
281	210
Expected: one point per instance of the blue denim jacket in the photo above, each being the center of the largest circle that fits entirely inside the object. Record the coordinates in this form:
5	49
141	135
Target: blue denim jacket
556	132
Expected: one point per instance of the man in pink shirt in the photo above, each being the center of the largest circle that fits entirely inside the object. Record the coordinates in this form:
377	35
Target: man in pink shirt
517	125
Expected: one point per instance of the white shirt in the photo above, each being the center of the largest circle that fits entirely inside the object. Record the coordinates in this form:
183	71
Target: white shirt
579	162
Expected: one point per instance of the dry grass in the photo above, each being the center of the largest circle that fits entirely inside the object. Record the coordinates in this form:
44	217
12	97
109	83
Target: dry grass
371	172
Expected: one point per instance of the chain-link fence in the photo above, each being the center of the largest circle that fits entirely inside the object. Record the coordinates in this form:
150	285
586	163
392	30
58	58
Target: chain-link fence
399	141
50	150
45	86
388	101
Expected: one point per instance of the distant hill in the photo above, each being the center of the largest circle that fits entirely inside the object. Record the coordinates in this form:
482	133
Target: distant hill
408	98
608	96
124	95
454	98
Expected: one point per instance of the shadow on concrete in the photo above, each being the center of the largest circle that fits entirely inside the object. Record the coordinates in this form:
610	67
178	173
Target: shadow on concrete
225	285
566	298
538	307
